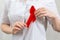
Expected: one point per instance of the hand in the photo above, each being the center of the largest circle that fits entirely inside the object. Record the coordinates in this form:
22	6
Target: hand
18	26
43	12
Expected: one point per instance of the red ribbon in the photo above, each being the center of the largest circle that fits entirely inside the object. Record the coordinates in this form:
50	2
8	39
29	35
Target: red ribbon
32	17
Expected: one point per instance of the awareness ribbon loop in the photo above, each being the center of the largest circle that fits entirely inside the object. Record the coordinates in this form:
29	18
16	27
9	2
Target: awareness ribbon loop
32	17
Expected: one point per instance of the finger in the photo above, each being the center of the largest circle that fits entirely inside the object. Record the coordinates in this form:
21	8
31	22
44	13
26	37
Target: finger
23	24
38	14
42	15
40	10
19	26
37	11
15	31
16	28
43	9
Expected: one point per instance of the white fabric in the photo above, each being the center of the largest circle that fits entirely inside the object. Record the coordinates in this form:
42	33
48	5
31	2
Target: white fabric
19	11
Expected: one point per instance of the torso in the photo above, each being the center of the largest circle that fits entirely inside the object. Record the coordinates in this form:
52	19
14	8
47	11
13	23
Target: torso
19	11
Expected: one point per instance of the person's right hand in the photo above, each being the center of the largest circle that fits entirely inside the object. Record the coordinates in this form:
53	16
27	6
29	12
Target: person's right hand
18	26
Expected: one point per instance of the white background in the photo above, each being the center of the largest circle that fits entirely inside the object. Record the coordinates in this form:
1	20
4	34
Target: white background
51	34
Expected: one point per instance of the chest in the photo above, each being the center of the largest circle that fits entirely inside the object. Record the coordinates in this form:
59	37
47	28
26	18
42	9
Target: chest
19	11
21	7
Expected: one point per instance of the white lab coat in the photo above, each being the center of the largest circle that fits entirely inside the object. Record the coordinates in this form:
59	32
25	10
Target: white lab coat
17	10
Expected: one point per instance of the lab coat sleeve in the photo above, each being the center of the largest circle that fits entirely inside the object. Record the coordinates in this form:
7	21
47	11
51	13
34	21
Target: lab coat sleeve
51	5
4	17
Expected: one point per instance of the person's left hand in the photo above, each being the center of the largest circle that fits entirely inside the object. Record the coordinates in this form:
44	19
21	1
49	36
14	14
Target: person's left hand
43	12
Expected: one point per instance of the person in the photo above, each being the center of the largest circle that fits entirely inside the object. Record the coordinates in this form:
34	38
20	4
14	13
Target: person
16	14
